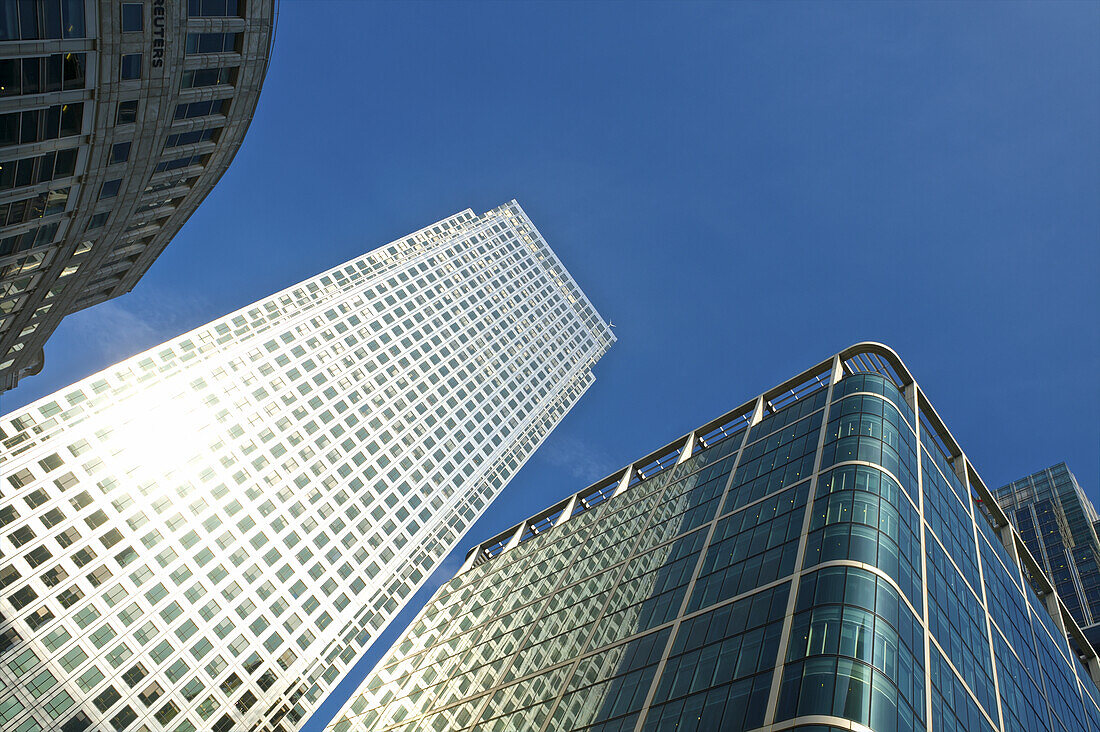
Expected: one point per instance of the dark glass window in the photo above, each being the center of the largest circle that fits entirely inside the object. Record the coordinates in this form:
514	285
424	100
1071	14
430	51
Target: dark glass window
38	555
39	74
189	138
198	43
21	536
38	169
127	112
208	77
107	699
214	8
22	597
130	67
10	77
110	188
98	220
202	109
74	70
34	238
123	719
133	17
39	19
120	152
28	209
39	617
36	125
181	162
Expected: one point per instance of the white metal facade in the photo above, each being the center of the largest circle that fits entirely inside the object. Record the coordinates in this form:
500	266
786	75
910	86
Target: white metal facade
206	535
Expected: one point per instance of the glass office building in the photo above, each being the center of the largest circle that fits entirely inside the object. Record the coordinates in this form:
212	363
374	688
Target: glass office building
1058	523
206	535
822	558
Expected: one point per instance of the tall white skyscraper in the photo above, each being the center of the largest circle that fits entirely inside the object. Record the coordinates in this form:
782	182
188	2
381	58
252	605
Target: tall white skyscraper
206	535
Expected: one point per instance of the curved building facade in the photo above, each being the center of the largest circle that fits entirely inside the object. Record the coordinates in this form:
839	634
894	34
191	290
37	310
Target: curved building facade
822	558
116	120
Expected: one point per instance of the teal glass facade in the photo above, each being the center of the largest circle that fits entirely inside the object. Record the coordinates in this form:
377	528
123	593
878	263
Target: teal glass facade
816	560
1058	523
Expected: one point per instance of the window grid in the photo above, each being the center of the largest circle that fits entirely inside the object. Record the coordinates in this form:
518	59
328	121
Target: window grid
344	433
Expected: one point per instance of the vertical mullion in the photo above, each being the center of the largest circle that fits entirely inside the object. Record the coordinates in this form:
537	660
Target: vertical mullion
788	617
757	417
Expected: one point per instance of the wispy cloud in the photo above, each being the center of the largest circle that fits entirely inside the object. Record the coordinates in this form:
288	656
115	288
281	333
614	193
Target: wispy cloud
576	457
119	328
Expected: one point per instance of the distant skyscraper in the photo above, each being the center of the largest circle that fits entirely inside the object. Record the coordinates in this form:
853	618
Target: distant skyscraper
204	536
1057	521
116	120
822	558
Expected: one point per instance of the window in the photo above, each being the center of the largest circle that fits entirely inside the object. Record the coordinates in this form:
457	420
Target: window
107	699
21	536
40	74
98	220
192	689
29	21
161	652
195	109
89	679
22	597
59	705
189	138
123	719
38	618
39	169
38	556
199	43
130	66
134	675
133	17
110	189
7	515
99	575
54	576
8	575
36	125
23	663
120	152
42	683
193	79
70	597
73	658
177	670
191	537
127	112
213	8
102	636
183	162
117	656
53	517
21	242
29	209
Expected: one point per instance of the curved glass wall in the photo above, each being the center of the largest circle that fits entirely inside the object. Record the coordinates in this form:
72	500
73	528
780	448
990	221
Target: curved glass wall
855	651
776	580
861	514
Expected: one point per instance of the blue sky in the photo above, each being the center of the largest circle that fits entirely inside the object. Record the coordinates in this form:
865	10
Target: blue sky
743	189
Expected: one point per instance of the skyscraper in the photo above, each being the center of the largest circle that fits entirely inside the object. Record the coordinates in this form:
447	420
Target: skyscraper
116	120
204	536
1057	522
822	558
